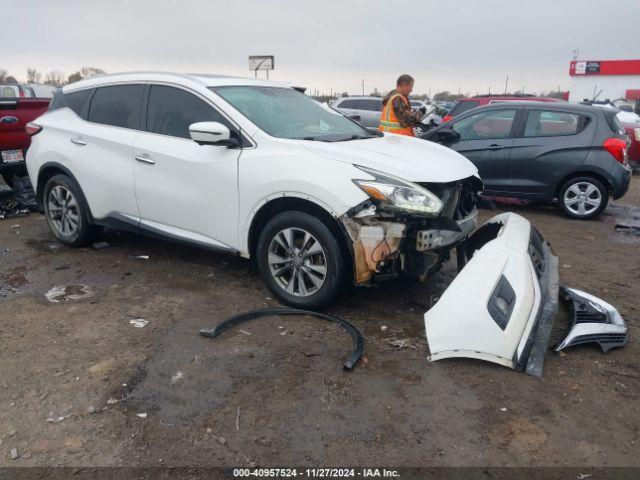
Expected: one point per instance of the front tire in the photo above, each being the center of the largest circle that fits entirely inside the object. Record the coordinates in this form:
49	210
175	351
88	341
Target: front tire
583	197
67	212
300	261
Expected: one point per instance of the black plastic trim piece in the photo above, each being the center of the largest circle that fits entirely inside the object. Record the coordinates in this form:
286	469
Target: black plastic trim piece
356	336
505	291
532	359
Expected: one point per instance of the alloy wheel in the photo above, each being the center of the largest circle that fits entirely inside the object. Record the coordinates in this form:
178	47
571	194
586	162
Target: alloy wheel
62	208
297	261
582	198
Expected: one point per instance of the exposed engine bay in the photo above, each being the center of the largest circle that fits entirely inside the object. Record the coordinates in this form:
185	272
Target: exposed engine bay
387	242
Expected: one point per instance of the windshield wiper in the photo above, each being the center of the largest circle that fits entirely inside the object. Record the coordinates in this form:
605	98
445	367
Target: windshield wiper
315	139
355	137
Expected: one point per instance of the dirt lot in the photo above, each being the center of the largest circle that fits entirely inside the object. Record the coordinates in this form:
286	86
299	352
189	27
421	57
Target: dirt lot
77	377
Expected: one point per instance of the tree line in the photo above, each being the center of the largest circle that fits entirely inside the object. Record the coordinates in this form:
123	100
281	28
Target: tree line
53	77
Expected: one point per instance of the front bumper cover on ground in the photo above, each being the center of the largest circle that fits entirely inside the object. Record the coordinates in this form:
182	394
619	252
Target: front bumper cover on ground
501	306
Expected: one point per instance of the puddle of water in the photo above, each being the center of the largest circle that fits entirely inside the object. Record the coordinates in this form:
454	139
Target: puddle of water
70	292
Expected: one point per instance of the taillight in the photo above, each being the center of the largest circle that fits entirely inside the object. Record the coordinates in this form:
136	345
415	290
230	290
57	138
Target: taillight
616	147
447	118
32	128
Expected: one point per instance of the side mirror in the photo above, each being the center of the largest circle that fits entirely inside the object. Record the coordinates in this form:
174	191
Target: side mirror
212	133
447	134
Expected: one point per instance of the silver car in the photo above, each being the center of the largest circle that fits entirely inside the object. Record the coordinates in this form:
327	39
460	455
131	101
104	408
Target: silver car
367	111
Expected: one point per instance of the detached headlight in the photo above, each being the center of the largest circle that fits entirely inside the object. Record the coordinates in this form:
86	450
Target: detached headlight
399	194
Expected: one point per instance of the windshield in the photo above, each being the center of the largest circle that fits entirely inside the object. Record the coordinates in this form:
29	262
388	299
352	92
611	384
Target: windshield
286	113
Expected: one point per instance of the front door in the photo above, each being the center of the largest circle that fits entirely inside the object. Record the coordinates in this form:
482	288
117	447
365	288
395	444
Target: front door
185	190
486	139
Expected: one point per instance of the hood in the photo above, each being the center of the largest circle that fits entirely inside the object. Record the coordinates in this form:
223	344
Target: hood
412	159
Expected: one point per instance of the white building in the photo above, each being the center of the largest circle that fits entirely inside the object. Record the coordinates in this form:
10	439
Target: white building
604	79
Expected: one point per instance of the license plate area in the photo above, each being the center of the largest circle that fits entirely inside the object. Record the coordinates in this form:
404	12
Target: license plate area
12	156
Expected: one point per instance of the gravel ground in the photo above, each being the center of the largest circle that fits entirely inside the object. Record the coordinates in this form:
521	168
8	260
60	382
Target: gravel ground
83	386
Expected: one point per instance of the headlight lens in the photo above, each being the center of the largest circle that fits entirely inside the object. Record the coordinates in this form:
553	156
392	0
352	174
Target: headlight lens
399	194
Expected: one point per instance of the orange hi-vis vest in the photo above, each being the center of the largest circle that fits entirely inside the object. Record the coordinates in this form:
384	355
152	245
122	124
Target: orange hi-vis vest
389	121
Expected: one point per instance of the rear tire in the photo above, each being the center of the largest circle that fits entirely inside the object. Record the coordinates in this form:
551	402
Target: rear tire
67	212
583	197
300	261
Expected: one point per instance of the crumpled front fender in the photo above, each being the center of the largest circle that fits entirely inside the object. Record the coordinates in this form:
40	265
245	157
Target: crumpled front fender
501	306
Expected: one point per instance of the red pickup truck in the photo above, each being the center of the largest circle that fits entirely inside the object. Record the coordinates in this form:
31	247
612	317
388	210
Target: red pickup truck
15	112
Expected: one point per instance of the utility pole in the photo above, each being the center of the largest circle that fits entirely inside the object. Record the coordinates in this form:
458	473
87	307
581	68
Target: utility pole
506	85
363	87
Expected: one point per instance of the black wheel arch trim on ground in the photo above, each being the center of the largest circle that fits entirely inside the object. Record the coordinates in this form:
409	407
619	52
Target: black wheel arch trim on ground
39	187
356	336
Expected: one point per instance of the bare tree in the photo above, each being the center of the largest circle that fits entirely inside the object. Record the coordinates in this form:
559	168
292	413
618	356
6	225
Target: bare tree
3	75
84	72
33	75
87	72
54	77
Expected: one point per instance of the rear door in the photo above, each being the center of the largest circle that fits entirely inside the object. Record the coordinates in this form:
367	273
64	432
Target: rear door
185	190
550	144
486	139
100	149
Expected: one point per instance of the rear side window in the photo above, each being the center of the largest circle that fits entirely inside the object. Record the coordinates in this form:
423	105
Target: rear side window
118	106
171	111
372	105
77	100
348	104
547	123
461	107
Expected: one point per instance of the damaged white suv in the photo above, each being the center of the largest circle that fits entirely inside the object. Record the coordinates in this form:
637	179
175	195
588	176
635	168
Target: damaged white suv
254	168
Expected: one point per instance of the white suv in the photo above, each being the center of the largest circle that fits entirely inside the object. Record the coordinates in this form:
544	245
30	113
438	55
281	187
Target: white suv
254	168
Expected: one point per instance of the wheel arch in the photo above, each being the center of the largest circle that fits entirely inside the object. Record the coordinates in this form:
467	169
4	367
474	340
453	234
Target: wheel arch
49	170
584	173
291	203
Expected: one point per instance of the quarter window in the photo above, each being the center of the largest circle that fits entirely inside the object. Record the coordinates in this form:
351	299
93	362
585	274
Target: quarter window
547	123
76	100
118	105
485	125
171	111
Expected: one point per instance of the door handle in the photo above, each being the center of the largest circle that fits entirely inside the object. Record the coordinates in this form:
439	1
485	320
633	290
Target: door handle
78	141
495	146
144	158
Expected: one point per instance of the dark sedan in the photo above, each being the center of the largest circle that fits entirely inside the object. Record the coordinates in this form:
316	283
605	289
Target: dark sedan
540	152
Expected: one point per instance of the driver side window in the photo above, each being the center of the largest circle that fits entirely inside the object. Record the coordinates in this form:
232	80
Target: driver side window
171	110
493	124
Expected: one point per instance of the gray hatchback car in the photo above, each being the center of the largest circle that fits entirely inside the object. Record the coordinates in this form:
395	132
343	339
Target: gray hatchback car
540	152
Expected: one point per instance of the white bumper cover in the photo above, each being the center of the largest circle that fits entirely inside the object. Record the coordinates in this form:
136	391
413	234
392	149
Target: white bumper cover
501	306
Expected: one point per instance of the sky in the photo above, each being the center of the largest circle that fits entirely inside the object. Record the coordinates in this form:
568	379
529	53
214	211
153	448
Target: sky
328	45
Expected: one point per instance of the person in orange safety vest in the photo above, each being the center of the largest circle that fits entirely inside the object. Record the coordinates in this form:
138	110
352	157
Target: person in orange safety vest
397	116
